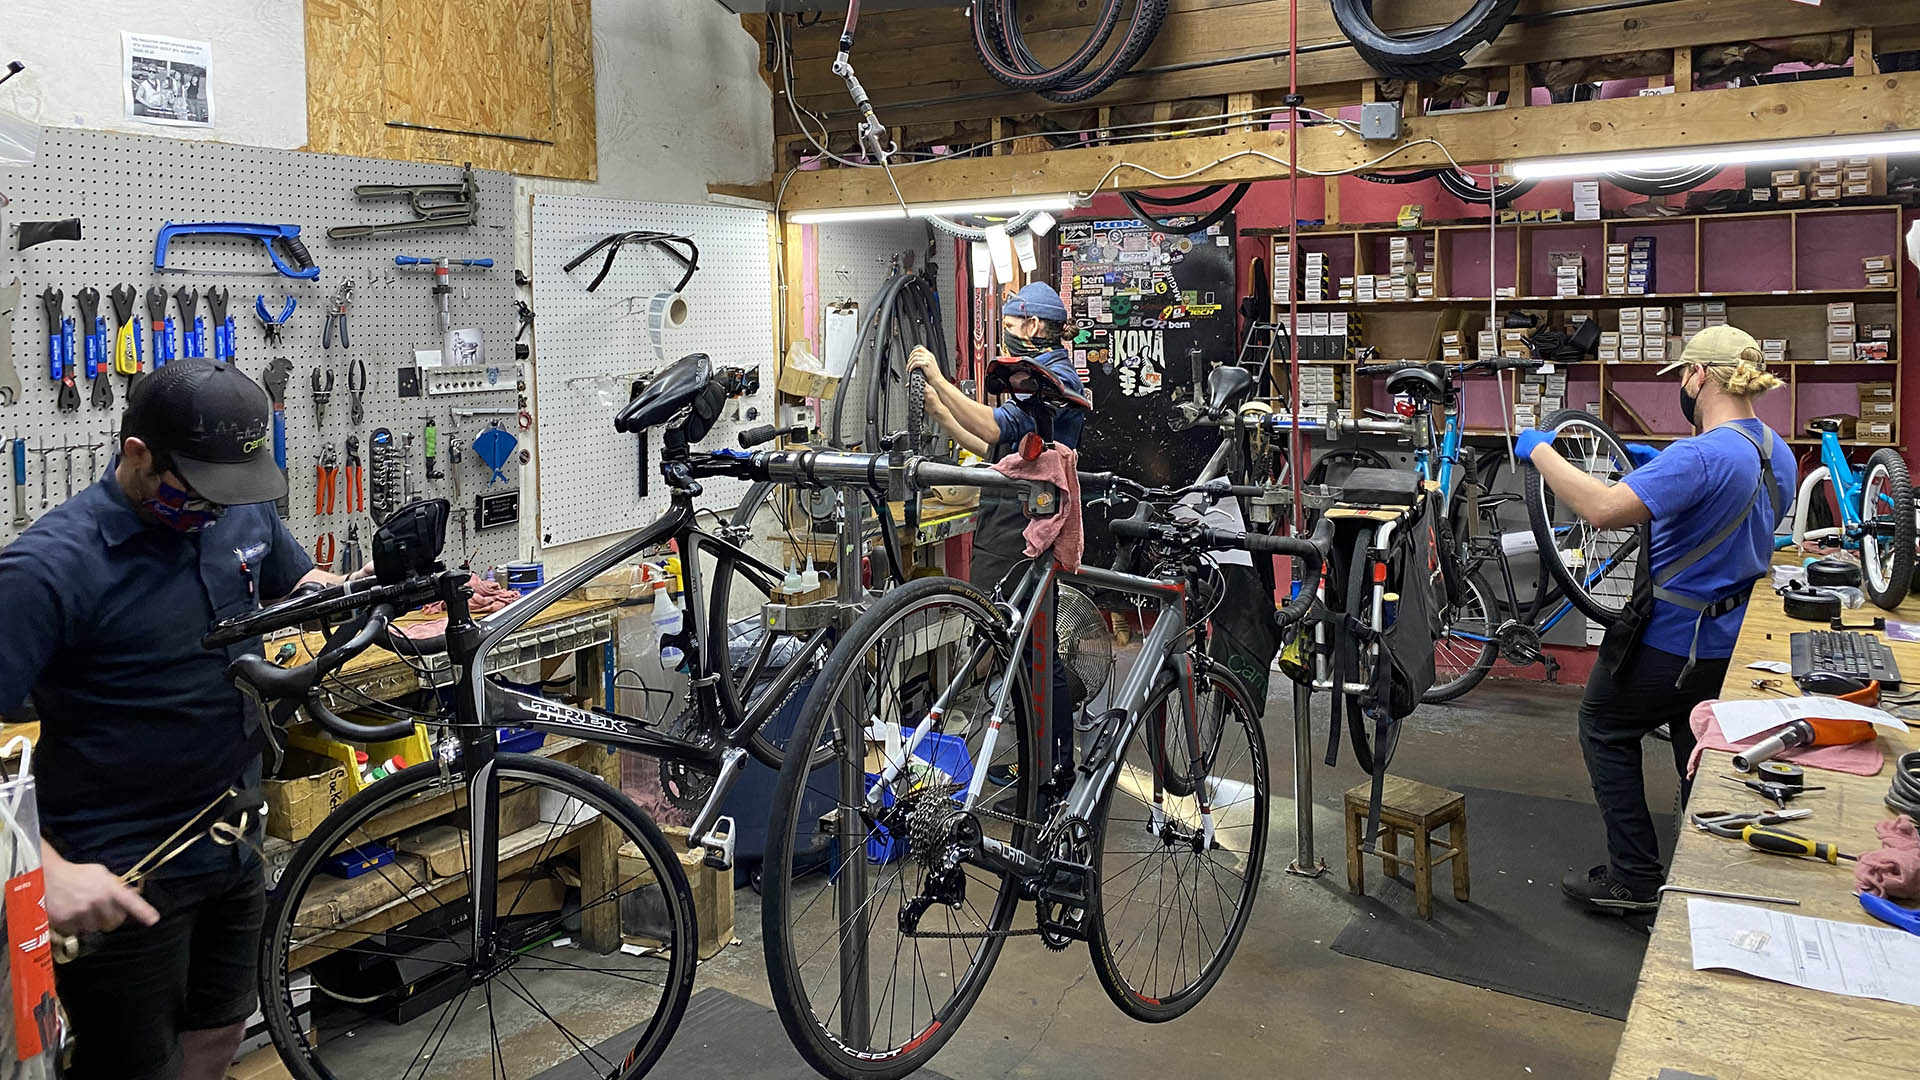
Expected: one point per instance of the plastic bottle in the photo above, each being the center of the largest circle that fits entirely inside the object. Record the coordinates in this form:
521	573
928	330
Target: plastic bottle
809	578
667	622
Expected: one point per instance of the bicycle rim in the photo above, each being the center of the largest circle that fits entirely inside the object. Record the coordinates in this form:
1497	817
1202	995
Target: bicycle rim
834	904
387	956
1465	650
1594	567
1170	905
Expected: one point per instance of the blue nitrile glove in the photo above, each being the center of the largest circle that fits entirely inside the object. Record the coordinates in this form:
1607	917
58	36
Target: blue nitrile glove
1641	454
1528	441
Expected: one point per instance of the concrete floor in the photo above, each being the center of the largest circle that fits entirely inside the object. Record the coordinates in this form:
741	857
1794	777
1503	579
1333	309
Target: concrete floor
1290	1005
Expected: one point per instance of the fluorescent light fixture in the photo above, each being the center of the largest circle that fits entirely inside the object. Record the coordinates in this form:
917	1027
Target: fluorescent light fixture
942	209
1753	153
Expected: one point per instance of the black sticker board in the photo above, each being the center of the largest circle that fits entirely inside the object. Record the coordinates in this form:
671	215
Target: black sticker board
1140	297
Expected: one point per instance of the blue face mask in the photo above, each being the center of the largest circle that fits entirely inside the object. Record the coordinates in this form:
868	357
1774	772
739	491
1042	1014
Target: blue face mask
183	511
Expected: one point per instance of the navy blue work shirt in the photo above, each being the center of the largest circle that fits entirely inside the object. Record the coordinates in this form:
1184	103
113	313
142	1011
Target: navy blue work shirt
1020	414
139	726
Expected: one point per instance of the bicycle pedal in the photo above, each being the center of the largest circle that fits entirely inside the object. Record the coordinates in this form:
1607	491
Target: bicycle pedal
1064	899
719	845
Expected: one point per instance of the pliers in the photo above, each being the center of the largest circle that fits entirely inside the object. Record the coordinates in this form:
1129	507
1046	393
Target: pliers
326	473
322	393
351	558
271	325
1729	824
324	550
356	389
337	316
356	491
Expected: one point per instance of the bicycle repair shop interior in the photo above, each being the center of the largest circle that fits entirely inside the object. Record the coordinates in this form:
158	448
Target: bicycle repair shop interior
454	241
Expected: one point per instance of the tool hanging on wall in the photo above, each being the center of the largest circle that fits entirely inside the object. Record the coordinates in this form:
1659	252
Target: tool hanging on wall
193	332
455	456
323	552
275	328
60	350
283	245
430	447
93	336
350	557
494	448
326	474
337	316
35	233
435	206
43	451
442	267
385	481
10	300
20	518
222	324
279	370
355	478
406	467
356	392
322	393
127	356
159	326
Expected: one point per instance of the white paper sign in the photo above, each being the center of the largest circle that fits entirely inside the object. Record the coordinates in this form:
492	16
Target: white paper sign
842	332
982	263
166	80
1741	720
1023	250
1000	246
1855	959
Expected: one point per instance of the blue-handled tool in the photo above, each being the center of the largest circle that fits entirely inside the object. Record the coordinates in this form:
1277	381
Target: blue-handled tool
193	330
289	255
160	326
222	323
1890	913
20	517
53	302
92	328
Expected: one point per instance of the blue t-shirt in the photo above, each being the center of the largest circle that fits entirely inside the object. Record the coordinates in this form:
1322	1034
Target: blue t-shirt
139	727
1019	415
1693	488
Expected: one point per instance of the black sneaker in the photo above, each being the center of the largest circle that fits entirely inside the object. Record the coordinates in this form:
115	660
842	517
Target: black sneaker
1597	890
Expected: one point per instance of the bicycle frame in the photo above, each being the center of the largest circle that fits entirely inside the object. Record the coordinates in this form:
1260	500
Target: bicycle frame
1848	487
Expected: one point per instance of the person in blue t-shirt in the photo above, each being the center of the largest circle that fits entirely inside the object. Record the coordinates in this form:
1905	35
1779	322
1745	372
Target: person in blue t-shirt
1712	485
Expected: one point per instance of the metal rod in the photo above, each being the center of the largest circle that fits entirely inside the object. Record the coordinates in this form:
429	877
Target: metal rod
850	887
1730	895
1304	862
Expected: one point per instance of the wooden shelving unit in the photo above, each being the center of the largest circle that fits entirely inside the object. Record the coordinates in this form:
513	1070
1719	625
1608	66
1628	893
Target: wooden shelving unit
1776	270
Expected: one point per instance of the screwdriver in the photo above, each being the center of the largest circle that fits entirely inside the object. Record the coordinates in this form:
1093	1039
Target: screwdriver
1782	842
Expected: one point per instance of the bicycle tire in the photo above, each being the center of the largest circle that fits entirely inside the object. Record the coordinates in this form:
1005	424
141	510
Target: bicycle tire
1483	653
1353	457
1424	55
1540	517
825	1050
1357	599
1887	577
1002	50
348	823
989	45
1491	470
1162	1005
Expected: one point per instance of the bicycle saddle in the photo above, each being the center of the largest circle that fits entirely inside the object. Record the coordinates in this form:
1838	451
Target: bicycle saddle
1228	387
669	392
1021	375
1823	424
1417	382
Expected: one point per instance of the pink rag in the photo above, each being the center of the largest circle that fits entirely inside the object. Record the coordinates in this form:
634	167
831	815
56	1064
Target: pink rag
1061	530
1861	758
488	597
1894	870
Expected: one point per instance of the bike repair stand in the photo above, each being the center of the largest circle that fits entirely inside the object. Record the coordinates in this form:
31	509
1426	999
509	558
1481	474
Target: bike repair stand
1304	863
851	884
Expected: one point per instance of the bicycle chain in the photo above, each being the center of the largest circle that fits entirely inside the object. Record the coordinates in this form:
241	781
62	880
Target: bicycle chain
1031	931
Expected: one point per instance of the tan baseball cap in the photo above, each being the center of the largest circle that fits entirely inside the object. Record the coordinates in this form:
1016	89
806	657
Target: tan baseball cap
1714	346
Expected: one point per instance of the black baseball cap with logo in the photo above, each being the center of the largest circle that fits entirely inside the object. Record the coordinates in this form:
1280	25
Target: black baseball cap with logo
212	425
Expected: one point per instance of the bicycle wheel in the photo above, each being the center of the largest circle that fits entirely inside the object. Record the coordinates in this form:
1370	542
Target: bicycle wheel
1594	567
1174	876
874	964
398	985
1886	537
1465	649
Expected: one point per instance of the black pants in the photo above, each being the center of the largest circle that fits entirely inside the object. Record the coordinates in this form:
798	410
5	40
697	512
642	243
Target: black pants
998	547
133	992
1619	709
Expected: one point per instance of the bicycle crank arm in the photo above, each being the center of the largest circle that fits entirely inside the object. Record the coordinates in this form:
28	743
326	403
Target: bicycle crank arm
700	833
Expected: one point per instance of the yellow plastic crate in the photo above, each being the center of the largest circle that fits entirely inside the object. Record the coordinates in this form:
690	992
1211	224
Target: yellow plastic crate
414	749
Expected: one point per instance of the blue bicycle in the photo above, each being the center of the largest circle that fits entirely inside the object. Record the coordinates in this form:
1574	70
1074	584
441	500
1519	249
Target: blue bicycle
1875	508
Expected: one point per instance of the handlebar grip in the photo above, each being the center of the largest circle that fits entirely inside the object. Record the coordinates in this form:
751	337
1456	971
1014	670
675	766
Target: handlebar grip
760	433
1130	529
1246	491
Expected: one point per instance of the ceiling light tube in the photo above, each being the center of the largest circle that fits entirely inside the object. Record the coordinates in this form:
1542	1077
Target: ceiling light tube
1007	207
1753	153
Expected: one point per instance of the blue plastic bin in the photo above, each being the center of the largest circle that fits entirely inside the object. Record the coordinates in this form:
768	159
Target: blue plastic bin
947	753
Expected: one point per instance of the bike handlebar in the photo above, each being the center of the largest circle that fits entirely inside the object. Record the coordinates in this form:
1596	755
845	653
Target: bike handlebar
1310	551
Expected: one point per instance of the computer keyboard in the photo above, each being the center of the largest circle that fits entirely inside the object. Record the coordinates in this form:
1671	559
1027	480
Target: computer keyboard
1843	652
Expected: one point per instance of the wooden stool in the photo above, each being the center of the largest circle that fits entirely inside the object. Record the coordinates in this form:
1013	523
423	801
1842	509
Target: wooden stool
1416	809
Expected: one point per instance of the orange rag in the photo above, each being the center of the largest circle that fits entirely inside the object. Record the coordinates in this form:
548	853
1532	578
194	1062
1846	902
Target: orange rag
1061	530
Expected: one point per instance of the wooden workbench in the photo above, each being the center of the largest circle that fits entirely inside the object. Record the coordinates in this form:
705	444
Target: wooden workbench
1724	1024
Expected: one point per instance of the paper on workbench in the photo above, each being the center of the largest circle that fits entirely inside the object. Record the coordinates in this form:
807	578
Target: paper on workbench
1854	959
1742	720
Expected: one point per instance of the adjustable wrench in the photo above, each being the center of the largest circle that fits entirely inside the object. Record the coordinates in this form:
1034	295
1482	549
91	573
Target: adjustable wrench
193	329
160	325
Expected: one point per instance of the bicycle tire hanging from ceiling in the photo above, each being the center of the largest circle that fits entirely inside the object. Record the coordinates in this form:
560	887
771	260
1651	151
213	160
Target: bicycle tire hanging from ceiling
903	313
1182	205
1423	54
1462	186
1003	51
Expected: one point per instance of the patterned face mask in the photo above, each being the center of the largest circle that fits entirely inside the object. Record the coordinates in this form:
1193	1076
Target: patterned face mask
183	511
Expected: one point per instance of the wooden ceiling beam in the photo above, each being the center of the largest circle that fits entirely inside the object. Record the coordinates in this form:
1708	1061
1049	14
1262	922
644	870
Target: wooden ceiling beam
1850	106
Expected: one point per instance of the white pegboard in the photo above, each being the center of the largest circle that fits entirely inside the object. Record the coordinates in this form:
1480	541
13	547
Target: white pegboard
853	260
124	187
591	345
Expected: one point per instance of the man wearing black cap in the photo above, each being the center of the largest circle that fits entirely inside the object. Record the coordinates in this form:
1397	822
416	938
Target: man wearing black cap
107	597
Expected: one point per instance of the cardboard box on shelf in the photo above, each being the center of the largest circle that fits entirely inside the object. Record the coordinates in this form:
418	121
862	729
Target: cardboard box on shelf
1616	249
1877	410
1826	177
1839	352
1692	324
1844	331
1875	390
296	805
1872	263
1610	339
1849	424
1785	177
1857	174
1826	164
1828	191
1773	344
1839	312
1630	354
1760	195
1550	213
1790	194
1607	354
1877	332
1880	281
1875	431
